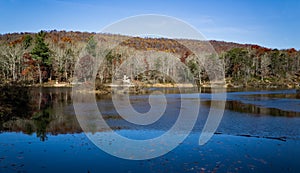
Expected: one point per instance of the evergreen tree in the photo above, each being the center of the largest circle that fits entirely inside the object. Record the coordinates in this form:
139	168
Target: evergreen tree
91	46
41	53
27	41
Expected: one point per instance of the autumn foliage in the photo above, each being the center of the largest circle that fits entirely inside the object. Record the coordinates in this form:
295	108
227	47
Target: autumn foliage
22	60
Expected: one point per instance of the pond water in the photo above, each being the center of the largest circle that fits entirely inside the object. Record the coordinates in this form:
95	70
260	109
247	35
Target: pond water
259	132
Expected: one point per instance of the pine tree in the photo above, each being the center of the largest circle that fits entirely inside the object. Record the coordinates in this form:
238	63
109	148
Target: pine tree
41	53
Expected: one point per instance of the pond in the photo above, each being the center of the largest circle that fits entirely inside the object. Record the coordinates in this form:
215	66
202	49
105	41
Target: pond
259	132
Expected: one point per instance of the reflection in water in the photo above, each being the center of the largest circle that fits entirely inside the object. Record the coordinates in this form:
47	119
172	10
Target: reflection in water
14	101
239	106
50	112
41	121
245	143
295	95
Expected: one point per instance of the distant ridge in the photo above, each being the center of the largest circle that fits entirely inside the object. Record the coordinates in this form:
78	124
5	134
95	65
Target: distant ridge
219	46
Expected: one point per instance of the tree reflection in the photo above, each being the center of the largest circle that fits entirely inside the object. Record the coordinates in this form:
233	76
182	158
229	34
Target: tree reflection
41	121
41	116
41	111
239	106
14	100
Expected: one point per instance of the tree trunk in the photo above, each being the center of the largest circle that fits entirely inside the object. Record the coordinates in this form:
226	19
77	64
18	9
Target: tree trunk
199	77
40	74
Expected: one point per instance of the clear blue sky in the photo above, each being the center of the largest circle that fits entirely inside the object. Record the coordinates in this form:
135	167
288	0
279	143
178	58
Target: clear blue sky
274	24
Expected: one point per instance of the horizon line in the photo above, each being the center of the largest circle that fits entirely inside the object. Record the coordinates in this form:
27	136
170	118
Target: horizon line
93	32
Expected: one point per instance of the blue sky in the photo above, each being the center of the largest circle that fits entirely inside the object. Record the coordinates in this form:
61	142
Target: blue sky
273	24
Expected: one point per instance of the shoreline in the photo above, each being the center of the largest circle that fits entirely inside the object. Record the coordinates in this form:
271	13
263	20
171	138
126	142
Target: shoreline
169	85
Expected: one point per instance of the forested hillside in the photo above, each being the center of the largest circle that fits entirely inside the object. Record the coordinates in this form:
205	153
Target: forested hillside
44	57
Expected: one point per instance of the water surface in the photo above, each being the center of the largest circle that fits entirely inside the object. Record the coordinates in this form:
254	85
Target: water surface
259	132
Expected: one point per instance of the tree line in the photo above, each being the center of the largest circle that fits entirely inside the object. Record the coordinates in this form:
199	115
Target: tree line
36	58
